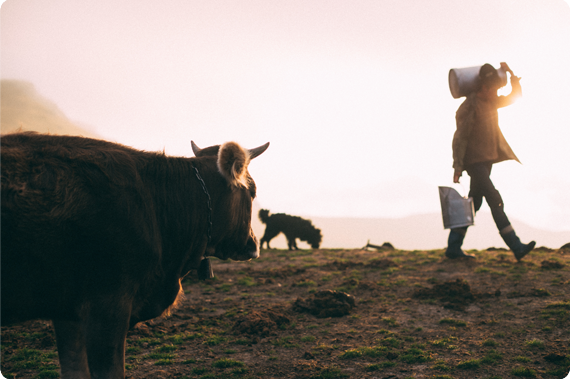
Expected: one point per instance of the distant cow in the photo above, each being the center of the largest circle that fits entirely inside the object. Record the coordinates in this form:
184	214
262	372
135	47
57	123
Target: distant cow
292	226
96	236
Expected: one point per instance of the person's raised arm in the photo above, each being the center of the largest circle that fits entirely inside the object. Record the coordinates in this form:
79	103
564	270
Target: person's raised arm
516	90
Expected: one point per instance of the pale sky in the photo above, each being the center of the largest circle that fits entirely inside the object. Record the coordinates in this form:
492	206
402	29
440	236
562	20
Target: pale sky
352	95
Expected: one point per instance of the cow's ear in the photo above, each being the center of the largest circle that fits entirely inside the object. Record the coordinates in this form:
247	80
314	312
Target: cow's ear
232	163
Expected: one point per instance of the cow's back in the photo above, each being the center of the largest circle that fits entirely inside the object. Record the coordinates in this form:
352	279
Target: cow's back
65	206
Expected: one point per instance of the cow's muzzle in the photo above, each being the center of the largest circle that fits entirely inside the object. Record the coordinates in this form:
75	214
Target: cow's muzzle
251	250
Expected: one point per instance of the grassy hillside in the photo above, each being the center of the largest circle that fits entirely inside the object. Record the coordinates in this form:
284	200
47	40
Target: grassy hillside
396	314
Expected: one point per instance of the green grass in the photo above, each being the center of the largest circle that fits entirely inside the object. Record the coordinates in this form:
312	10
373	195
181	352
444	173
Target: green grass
535	344
133	350
199	370
238	372
164	362
159	356
246	281
169	348
453	322
26	358
560	304
214	340
524	372
330	373
441	366
306	283
227	362
469	364
48	374
350	354
284	342
390	321
489	342
372	352
522	359
391	341
444	342
380	366
492	357
225	287
558	372
415	355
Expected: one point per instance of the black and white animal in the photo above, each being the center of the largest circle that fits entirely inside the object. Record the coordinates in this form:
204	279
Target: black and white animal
292	226
96	236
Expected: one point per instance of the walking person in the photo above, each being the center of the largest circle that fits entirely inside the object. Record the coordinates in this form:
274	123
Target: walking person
478	143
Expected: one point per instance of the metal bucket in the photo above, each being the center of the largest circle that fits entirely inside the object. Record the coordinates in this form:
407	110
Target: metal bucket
463	81
457	211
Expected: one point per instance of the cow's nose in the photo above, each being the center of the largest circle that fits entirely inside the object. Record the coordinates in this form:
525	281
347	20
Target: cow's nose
252	248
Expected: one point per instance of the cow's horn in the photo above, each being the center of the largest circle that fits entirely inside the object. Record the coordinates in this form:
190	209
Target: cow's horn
258	151
195	148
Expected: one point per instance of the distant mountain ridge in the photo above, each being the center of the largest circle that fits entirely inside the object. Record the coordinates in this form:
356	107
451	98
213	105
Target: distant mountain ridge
23	108
417	232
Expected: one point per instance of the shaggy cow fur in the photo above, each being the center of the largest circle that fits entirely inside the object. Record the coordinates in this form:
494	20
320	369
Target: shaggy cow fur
292	226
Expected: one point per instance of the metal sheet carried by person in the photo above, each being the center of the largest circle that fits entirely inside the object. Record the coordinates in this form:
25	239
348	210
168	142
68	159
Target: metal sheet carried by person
456	210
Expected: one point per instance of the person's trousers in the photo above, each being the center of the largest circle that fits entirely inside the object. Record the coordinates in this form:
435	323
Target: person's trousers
482	187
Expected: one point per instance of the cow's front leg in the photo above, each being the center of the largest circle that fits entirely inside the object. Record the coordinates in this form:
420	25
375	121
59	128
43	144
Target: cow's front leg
71	349
106	331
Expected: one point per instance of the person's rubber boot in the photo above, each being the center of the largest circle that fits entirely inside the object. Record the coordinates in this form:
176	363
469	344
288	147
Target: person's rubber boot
454	242
518	248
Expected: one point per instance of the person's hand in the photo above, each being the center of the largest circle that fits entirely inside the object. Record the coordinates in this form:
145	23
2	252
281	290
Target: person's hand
506	67
456	176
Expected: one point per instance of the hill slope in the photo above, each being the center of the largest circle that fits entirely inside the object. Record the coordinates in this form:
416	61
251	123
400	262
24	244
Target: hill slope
23	108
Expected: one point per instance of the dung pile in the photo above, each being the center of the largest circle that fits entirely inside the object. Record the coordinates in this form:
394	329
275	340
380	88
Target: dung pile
326	303
381	263
261	323
455	295
551	265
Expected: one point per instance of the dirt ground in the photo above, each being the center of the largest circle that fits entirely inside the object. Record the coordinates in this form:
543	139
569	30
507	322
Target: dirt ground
386	314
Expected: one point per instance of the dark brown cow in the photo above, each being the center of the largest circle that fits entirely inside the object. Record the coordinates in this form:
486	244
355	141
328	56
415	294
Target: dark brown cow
96	236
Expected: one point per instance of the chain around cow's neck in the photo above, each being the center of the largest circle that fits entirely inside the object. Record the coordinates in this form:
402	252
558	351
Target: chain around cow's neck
205	269
208	202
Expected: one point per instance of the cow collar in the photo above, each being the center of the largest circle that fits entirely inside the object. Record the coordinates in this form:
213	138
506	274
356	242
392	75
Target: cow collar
205	270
